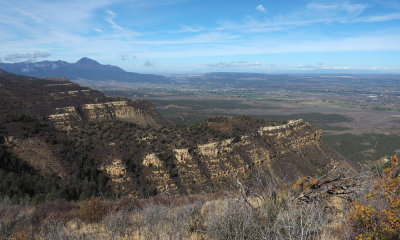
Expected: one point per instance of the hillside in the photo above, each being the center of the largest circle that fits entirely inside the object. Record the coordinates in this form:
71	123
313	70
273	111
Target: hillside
81	143
85	68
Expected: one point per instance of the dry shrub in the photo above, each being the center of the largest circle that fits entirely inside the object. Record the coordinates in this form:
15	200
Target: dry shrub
126	203
275	218
51	229
117	223
16	222
301	221
92	210
379	216
59	209
54	229
163	222
8	219
230	219
23	234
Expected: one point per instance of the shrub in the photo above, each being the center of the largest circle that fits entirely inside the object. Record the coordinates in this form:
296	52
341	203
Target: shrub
116	223
92	210
379	216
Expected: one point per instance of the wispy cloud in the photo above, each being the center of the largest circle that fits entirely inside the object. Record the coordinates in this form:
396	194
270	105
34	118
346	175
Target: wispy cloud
209	37
338	6
188	29
125	57
100	29
382	18
234	64
26	57
30	15
148	64
260	8
110	19
341	68
313	13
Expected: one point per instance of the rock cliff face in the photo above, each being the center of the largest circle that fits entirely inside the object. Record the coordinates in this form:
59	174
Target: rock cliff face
277	153
127	110
78	134
64	102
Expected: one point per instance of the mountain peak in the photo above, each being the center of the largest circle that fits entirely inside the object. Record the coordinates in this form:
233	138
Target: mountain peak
87	62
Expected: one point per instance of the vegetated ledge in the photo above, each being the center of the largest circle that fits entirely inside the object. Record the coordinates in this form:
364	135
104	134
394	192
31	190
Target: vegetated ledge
279	153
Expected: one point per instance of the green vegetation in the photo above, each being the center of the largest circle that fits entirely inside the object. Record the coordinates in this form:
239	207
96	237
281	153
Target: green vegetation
201	104
22	184
360	148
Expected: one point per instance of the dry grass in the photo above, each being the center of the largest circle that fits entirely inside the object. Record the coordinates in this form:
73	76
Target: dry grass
213	216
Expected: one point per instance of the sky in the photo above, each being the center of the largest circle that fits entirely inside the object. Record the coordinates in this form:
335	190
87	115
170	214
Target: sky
190	36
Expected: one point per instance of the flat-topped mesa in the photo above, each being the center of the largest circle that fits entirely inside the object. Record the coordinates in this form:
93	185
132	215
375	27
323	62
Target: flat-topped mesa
125	110
291	123
129	111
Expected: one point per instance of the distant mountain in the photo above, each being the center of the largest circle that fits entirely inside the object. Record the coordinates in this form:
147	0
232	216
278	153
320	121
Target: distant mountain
85	68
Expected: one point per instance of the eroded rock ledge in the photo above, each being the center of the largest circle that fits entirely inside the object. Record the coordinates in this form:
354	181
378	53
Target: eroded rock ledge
121	110
280	153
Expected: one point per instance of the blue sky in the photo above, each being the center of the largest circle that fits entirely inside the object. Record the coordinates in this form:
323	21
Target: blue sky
200	35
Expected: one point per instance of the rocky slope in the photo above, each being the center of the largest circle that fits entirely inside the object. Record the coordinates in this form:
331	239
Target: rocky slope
274	154
62	102
99	145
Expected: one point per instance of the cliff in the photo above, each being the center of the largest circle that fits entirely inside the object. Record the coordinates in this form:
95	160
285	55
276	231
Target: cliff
135	111
99	145
64	102
280	153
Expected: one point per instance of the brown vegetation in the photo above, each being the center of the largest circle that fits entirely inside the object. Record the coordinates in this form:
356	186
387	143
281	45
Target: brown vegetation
378	215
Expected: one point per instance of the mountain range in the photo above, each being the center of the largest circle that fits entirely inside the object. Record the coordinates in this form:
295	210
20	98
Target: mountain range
84	69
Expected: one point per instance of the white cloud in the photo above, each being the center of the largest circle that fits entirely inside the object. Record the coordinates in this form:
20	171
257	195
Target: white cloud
234	64
382	18
312	13
260	8
125	57
110	20
210	37
31	57
338	6
30	15
111	13
339	68
188	29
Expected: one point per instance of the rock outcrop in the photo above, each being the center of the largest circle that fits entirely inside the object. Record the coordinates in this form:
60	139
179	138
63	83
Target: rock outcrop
62	127
282	153
106	111
65	103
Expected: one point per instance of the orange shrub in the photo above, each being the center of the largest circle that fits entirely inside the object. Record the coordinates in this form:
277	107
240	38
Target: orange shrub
379	218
